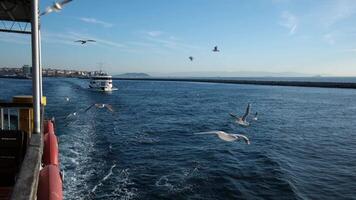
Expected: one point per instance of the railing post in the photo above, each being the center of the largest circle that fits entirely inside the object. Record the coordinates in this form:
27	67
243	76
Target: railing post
35	67
18	119
8	119
2	118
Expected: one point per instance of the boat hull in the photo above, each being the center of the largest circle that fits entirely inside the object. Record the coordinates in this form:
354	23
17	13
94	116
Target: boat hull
101	83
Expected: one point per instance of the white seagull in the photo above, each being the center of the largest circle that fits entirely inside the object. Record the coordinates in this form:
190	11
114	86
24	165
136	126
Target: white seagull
56	7
255	117
227	136
100	106
71	114
242	120
67	99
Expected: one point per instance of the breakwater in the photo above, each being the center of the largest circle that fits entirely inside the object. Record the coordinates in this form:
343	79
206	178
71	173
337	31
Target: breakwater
346	85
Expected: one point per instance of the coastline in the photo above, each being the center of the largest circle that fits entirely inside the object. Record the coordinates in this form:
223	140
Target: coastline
15	77
251	81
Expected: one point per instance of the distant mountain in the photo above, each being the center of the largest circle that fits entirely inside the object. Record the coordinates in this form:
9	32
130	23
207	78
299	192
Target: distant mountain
133	75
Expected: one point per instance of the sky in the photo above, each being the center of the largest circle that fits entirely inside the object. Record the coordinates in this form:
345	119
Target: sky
157	36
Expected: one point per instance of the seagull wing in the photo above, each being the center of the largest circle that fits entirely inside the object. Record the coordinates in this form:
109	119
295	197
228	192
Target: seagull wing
79	41
207	132
70	115
233	115
240	136
226	137
247	112
65	2
91	41
48	10
89	107
109	107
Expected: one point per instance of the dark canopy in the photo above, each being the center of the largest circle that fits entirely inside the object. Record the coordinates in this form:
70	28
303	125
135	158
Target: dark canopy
15	10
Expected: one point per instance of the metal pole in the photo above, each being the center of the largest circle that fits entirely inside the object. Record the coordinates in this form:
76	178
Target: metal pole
18	119
2	118
8	119
35	68
40	60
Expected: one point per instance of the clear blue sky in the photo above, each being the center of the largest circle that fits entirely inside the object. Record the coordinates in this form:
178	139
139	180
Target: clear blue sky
158	36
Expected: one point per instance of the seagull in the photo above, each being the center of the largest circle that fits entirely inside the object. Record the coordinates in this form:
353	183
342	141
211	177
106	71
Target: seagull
227	136
100	106
85	41
67	99
191	58
216	49
56	7
255	117
71	114
242	120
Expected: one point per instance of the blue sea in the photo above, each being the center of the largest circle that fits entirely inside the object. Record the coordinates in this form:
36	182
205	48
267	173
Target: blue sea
303	145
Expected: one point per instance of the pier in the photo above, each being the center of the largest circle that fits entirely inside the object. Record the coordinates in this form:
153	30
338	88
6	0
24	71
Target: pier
345	85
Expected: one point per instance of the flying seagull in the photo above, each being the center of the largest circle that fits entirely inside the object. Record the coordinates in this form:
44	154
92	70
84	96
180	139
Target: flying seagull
191	58
242	120
85	41
100	106
70	115
227	136
255	117
56	7
216	49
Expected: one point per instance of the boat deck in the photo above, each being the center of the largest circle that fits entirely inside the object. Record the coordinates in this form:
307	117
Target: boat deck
5	193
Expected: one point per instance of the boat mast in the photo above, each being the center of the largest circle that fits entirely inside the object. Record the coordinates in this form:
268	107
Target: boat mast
36	84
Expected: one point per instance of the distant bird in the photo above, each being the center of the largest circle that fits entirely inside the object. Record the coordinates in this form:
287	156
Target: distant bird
67	99
71	114
242	120
56	7
84	41
100	106
227	136
216	49
191	58
255	117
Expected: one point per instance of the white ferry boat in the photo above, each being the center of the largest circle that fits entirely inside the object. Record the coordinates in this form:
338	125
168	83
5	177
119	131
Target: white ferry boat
101	83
